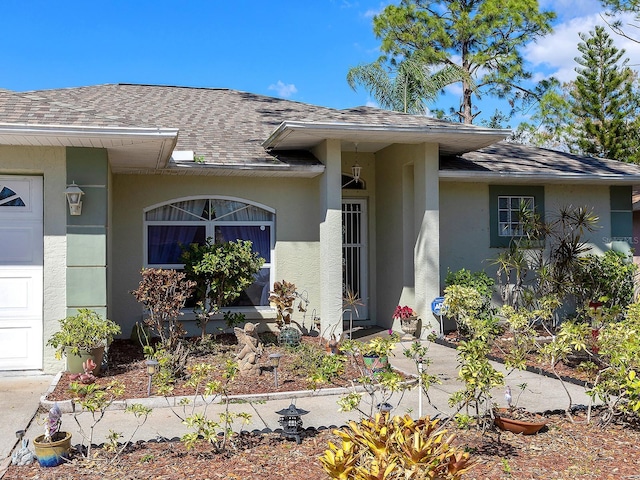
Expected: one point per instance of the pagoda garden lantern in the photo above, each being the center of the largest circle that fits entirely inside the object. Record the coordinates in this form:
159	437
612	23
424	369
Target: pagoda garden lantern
291	422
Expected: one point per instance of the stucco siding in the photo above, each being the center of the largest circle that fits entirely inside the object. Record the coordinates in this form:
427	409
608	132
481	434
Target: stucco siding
591	196
464	221
464	227
407	231
50	162
295	202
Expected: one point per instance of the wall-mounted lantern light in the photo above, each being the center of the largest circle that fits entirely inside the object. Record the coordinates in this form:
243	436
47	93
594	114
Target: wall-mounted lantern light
74	197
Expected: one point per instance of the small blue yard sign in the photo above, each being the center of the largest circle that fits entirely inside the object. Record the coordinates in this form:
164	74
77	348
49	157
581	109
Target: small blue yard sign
437	306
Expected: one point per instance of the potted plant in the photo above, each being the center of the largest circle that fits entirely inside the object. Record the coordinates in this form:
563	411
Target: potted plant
408	321
282	297
83	336
517	420
52	448
375	352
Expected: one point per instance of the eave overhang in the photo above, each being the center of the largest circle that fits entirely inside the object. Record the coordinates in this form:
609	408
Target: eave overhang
454	139
128	148
538	178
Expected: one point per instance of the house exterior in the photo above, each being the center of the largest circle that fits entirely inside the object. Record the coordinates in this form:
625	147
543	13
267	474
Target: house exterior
162	166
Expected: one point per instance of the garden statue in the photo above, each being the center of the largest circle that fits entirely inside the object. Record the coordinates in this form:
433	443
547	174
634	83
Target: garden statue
250	349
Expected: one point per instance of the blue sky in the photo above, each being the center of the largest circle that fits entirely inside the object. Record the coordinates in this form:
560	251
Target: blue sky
294	49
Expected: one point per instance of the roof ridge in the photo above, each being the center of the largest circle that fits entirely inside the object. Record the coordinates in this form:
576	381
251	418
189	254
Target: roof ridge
127	84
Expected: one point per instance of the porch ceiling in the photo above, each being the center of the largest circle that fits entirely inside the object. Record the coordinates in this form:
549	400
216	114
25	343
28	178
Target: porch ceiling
453	139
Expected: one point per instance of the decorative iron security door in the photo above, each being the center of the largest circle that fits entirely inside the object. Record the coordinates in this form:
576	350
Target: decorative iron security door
354	254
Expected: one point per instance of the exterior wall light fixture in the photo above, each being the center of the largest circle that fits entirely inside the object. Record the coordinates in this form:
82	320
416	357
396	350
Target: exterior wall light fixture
74	197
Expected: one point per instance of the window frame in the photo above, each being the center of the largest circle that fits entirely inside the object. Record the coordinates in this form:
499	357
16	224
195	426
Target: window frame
210	226
510	212
522	191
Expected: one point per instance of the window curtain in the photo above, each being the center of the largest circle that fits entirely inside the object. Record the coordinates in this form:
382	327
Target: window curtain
165	242
260	237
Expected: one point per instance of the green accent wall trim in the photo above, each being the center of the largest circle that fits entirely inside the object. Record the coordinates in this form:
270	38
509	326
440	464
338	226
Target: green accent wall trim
495	191
87	166
621	212
87	247
621	198
87	233
102	311
621	225
86	287
94	208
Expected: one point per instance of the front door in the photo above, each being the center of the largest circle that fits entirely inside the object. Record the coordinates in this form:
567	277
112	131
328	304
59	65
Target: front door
354	255
21	270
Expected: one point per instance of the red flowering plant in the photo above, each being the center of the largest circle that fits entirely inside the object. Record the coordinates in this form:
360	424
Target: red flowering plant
404	312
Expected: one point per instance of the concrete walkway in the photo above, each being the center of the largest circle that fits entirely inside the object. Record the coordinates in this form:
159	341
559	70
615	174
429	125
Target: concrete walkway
20	399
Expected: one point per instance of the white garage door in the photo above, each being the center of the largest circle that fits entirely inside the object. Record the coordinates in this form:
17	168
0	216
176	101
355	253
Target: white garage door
21	261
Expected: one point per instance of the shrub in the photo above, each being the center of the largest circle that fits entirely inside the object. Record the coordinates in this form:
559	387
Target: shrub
83	332
164	293
221	272
396	448
607	278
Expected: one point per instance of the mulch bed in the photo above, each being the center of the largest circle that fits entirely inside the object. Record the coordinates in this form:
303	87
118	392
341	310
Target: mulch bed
562	450
126	365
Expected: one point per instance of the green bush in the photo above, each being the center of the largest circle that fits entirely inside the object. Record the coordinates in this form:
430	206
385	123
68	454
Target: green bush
83	332
607	278
221	272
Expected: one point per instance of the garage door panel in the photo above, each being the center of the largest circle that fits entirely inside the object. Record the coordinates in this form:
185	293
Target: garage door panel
20	245
19	345
20	292
21	272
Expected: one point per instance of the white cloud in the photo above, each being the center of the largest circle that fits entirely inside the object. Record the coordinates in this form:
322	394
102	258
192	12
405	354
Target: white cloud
555	54
454	89
283	90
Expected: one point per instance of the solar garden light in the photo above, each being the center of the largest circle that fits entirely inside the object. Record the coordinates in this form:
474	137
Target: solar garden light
274	361
420	370
291	422
152	369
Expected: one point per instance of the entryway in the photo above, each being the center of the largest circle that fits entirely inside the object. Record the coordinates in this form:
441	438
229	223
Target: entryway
21	272
354	254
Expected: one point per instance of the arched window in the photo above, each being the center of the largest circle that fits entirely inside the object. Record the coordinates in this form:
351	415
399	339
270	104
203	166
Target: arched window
170	226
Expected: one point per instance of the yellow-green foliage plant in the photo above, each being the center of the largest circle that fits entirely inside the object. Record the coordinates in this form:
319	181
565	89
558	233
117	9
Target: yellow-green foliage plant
399	447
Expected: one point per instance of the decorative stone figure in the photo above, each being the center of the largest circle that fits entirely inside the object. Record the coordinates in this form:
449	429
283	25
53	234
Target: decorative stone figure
250	349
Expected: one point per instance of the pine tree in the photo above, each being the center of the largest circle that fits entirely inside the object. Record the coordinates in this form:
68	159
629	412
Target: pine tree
604	103
481	37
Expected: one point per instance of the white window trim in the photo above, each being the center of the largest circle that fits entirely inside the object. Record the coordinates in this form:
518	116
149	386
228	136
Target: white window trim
510	232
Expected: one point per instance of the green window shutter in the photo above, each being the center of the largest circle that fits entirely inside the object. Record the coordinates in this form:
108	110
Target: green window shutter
496	191
621	213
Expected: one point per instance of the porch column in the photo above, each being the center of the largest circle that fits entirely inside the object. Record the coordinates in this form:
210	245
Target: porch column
330	238
427	228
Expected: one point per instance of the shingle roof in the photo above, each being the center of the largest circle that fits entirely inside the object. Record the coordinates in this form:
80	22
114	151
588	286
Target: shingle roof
221	125
228	127
509	160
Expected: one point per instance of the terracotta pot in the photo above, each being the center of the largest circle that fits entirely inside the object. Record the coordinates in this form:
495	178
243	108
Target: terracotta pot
518	426
52	454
